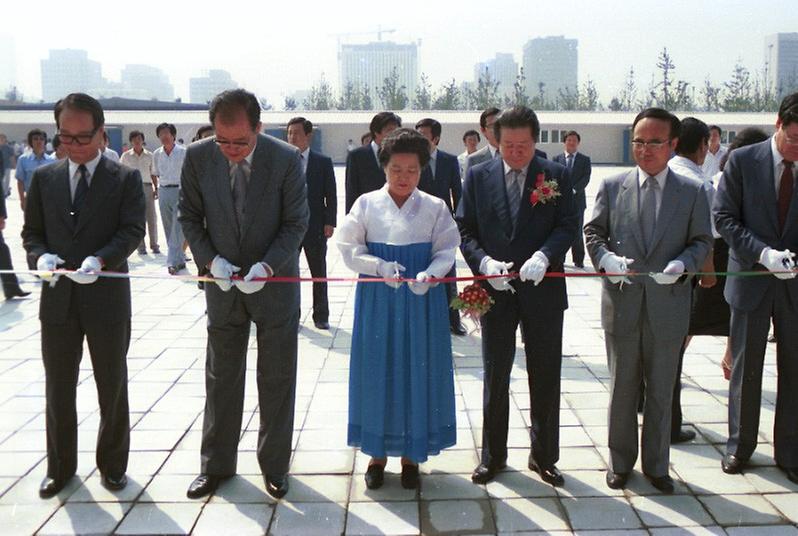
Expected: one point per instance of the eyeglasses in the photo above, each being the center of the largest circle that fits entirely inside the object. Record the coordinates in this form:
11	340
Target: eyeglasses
654	145
79	139
232	144
787	139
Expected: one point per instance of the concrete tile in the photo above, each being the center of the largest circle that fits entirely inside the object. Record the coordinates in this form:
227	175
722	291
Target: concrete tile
167	488
708	481
684	531
786	503
529	514
242	489
161	518
780	530
613	513
673	510
516	484
238	519
308	519
587	484
391	490
457	517
85	518
25	519
323	462
396	518
741	510
92	490
318	488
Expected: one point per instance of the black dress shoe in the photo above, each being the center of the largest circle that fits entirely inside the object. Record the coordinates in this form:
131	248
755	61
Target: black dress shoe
458	329
485	473
375	476
409	476
732	465
791	472
683	436
550	475
50	487
276	486
579	264
16	293
662	483
114	483
203	485
616	480
321	324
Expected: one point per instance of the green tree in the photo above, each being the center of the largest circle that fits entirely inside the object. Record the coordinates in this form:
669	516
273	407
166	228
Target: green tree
289	104
321	96
625	100
393	94
737	95
350	97
423	98
447	97
486	92
366	102
519	96
710	94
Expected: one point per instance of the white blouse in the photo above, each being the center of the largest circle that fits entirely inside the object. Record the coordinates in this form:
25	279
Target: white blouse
376	218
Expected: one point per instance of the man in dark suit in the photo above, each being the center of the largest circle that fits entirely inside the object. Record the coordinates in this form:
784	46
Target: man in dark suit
363	172
11	287
320	179
86	214
244	210
505	221
579	166
755	211
659	221
492	150
441	178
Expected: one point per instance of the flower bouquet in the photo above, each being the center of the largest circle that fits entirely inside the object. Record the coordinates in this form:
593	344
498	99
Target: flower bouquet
473	302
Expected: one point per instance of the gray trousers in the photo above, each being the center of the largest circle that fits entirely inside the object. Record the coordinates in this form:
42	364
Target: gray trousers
632	357
152	217
167	201
748	335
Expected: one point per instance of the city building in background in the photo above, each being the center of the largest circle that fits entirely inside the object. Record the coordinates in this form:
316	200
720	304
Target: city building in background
552	62
503	69
204	88
69	70
146	82
372	63
781	57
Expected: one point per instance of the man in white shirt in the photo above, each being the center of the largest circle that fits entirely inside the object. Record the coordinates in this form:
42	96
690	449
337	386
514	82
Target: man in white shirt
107	151
140	158
167	166
470	139
715	154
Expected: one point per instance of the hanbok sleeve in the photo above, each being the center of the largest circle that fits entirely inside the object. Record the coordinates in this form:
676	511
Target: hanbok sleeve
351	238
445	241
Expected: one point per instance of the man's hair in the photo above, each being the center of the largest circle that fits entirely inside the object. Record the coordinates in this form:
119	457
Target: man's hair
517	117
307	126
404	141
716	128
83	103
692	134
36	132
228	104
56	142
573	133
382	120
747	136
201	131
662	115
472	133
135	133
367	136
483	117
169	126
788	111
434	126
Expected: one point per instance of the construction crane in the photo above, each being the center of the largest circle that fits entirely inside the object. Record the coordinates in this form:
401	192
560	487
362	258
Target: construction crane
379	33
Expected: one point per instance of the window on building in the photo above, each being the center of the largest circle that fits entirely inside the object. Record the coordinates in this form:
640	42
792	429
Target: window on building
727	136
544	136
555	136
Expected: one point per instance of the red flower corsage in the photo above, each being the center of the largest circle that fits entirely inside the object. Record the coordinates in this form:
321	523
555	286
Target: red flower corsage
473	302
544	191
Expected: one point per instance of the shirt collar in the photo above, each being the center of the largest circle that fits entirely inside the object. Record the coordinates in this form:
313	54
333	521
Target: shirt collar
433	154
91	165
567	154
777	157
659	177
492	150
683	161
375	149
306	153
508	169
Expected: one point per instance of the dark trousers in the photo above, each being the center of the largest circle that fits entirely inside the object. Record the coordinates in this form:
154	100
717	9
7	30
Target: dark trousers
10	282
62	350
316	255
225	368
748	337
543	347
578	247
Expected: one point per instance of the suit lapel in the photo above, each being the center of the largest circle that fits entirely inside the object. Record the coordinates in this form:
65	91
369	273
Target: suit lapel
101	186
62	193
766	173
628	208
224	192
498	194
671	198
258	180
525	208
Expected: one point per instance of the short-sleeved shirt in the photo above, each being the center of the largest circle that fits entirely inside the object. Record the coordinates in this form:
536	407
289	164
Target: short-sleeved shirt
142	162
168	166
27	164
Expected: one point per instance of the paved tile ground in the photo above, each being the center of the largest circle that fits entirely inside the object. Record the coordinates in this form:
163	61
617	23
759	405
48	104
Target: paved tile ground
328	495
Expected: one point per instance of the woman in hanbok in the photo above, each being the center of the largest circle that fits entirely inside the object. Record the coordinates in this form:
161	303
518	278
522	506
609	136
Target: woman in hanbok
401	388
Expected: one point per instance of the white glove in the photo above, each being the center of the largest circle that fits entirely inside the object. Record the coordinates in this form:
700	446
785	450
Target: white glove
534	269
223	270
613	264
779	261
48	262
87	273
420	285
494	267
672	272
390	270
248	286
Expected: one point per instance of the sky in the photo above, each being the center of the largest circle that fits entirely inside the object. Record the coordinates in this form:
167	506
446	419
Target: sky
276	48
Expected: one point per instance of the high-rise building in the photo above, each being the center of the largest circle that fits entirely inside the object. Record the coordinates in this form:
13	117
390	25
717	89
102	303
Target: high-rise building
69	70
204	88
503	68
552	62
371	64
146	82
781	56
8	73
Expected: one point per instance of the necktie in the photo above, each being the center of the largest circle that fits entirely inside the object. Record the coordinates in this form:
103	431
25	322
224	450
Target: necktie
240	173
497	154
569	162
785	193
81	191
648	210
513	193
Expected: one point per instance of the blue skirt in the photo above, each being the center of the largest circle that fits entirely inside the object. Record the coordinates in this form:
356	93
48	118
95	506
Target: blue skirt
401	388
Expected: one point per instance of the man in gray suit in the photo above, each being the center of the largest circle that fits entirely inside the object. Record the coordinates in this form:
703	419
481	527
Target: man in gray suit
491	150
755	209
659	222
244	210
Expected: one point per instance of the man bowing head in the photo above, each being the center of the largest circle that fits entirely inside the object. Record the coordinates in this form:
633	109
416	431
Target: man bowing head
517	212
244	212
